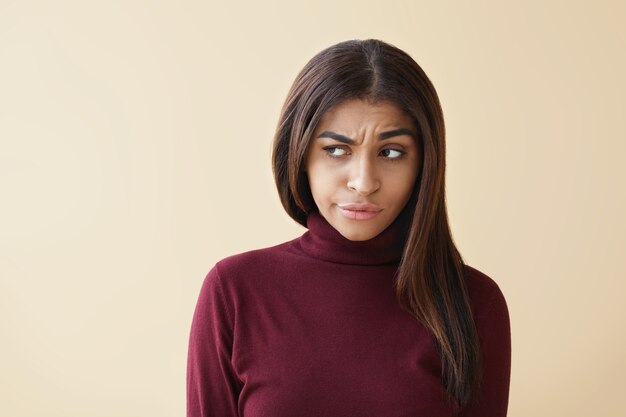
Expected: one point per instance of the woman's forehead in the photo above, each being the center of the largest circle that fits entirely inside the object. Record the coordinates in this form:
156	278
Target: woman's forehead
361	111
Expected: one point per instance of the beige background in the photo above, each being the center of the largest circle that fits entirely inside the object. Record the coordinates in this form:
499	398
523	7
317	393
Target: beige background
135	153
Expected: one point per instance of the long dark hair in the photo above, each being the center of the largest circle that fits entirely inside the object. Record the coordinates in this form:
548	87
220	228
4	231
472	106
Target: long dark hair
430	282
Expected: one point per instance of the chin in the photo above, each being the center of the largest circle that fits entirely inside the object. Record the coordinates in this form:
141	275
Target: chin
356	237
357	232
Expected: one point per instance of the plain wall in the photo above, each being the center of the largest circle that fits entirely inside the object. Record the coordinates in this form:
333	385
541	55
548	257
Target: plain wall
135	153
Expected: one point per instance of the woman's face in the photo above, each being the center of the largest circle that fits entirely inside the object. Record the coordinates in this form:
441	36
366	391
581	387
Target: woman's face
362	154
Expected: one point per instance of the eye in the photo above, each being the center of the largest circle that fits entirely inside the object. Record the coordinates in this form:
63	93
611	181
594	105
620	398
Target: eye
389	153
398	154
330	151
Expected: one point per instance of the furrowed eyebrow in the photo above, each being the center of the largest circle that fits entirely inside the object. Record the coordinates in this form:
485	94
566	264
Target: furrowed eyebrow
382	136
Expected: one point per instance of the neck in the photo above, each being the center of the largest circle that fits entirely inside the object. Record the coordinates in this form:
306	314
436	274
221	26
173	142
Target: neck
324	242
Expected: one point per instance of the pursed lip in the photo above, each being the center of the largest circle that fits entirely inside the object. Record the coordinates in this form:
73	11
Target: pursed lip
360	207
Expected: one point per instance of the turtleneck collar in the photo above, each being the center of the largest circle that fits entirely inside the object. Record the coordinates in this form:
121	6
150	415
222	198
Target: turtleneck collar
324	242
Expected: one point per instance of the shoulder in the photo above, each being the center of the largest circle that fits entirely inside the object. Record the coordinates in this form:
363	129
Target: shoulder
484	292
249	264
491	316
237	276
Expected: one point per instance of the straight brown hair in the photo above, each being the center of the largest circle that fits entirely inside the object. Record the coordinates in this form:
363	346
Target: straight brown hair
430	282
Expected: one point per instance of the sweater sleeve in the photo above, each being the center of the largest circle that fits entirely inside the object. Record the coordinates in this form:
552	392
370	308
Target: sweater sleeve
494	332
212	384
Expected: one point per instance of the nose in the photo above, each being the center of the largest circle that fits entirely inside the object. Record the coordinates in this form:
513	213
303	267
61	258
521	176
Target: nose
363	176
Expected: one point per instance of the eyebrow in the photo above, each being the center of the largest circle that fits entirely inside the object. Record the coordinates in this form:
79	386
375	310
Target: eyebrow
382	136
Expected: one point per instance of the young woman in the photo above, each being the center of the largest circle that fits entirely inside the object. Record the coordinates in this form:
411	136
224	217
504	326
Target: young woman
372	311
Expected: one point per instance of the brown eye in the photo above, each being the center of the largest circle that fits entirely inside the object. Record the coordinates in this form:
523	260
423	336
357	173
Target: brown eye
330	151
395	153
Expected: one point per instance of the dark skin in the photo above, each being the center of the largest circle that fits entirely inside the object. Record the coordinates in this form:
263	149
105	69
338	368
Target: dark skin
362	153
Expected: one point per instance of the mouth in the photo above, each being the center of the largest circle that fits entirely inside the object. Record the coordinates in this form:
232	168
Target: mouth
359	211
365	207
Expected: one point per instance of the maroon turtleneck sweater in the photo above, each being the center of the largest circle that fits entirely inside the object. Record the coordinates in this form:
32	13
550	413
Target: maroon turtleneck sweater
312	327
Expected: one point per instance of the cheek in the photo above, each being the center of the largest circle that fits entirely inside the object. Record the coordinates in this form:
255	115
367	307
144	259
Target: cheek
318	171
320	183
402	184
324	183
